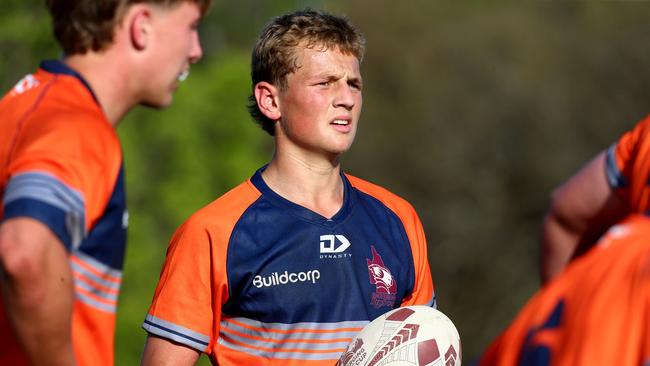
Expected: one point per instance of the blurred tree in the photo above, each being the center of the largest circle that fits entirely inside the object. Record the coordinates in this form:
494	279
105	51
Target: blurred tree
25	38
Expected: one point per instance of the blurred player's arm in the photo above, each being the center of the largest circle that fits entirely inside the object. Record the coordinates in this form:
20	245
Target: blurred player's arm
161	352
37	290
581	210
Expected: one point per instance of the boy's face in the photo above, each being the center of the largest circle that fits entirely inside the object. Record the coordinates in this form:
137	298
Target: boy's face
175	47
321	105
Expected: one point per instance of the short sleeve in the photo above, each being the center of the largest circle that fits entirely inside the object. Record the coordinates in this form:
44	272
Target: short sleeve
62	173
623	154
182	307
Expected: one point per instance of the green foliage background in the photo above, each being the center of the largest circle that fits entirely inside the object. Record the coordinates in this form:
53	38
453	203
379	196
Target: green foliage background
473	111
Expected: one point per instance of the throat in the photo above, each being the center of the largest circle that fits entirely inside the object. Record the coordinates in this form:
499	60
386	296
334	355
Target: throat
326	209
321	194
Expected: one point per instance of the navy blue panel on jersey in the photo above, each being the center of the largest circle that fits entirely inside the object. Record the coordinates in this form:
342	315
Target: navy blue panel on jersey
615	177
288	264
106	242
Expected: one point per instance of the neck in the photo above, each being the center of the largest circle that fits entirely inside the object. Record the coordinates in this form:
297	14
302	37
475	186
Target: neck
107	77
311	184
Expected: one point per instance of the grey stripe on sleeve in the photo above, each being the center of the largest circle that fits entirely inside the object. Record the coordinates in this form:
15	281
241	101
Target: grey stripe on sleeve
48	189
614	175
177	333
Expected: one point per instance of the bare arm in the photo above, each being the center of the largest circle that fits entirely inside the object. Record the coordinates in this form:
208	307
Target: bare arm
161	352
581	210
37	290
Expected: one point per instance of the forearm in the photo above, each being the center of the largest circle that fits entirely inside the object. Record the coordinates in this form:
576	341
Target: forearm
37	291
580	210
558	245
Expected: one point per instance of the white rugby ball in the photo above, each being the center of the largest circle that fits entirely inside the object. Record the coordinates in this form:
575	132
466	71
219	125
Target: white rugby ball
411	335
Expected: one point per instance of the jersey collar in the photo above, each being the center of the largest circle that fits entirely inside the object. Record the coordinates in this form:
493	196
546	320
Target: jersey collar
299	210
58	67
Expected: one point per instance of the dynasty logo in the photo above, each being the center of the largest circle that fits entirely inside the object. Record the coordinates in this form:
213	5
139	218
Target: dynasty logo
334	246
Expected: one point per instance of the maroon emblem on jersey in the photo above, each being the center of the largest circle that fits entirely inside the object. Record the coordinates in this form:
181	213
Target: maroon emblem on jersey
381	277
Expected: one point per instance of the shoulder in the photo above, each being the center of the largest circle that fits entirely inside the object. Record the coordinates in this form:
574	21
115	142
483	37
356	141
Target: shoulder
639	132
222	214
66	123
61	106
394	202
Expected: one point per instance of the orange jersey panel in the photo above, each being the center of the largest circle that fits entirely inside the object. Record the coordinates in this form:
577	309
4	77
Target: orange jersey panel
596	313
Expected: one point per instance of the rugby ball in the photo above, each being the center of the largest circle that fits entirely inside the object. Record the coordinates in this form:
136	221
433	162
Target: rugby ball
411	335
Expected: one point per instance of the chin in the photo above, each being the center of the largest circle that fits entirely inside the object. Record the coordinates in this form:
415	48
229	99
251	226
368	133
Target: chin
157	104
340	150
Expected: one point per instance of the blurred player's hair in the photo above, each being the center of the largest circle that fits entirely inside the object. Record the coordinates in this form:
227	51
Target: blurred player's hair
84	25
274	54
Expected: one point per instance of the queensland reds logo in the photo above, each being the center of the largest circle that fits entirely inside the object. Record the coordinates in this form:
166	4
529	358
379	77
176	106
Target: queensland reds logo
381	277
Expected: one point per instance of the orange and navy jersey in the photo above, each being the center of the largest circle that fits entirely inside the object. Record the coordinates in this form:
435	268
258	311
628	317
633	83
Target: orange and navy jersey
628	167
597	312
254	279
61	164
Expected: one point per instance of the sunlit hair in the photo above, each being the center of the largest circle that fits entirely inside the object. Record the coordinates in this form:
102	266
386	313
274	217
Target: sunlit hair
274	55
84	25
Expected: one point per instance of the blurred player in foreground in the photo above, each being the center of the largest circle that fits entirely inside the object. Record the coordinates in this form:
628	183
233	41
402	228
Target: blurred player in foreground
596	312
63	211
610	186
287	267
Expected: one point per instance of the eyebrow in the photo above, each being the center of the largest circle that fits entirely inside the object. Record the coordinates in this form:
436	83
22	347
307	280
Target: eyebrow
334	77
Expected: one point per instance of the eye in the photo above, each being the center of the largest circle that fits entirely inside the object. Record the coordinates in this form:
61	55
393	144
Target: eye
355	85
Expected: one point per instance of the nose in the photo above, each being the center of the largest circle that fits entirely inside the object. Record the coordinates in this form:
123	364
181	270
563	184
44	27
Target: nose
196	52
346	96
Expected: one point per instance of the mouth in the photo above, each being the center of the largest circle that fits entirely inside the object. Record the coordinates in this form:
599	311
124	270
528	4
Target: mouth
183	75
341	122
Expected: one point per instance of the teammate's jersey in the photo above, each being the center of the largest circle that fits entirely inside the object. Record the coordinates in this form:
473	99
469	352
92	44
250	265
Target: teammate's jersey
597	312
628	167
61	164
254	279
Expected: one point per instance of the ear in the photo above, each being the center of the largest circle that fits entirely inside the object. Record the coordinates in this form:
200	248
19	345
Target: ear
266	95
138	23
